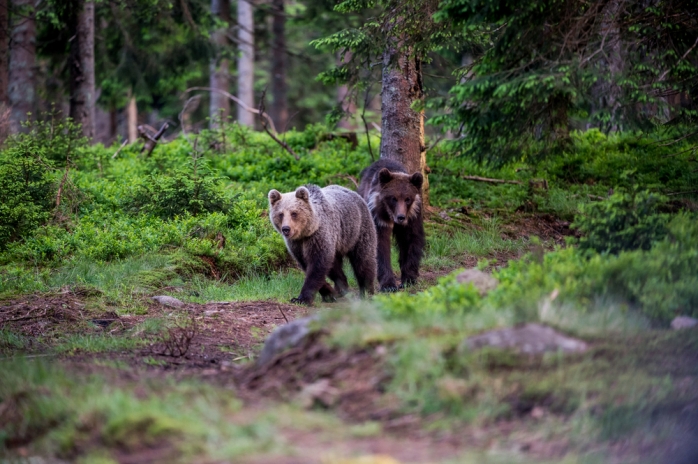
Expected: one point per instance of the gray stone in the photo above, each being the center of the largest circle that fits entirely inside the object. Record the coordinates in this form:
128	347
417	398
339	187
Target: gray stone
480	280
528	339
683	322
170	301
285	337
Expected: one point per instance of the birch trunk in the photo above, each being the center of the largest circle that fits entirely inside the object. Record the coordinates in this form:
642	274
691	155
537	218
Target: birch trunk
219	78
246	62
21	81
132	120
82	70
4	50
279	109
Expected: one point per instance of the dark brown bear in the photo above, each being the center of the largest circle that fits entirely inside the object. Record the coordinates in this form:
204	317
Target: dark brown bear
394	198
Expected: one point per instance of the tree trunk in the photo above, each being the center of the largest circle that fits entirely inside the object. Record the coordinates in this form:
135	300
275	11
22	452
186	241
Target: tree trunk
21	83
132	120
402	128
82	69
219	77
606	93
246	62
279	109
4	50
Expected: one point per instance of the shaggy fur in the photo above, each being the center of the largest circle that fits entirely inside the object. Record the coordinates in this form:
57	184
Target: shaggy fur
394	199
321	226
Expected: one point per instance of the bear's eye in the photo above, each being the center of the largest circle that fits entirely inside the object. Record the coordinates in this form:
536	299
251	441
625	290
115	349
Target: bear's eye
281	216
294	215
407	201
393	200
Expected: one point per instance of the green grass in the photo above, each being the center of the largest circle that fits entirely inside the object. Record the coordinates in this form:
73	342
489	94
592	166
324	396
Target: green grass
447	248
70	416
96	343
10	341
624	387
281	286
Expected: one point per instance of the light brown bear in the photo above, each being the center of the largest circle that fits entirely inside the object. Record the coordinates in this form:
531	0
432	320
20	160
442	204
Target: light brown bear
320	227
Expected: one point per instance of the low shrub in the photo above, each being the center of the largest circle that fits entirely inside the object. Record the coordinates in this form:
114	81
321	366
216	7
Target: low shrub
660	282
624	221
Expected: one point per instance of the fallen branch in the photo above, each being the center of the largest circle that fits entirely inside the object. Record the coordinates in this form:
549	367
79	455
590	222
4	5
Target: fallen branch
264	121
119	150
236	100
681	193
151	142
492	181
595	197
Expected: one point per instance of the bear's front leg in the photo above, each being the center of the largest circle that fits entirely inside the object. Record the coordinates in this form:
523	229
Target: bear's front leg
410	241
386	278
315	274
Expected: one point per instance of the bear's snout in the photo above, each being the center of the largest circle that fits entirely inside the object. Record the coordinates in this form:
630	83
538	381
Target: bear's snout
286	230
400	218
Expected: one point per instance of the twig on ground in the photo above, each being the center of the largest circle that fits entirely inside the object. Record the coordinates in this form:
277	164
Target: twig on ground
283	314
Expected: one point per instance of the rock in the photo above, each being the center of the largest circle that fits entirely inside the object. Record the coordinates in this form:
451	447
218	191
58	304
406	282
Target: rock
170	301
285	337
528	339
683	322
480	280
211	312
318	392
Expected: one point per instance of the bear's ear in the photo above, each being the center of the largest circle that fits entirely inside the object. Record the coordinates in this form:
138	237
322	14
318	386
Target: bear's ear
385	176
302	193
274	196
417	179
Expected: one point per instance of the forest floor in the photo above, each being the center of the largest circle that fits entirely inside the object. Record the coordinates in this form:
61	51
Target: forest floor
139	380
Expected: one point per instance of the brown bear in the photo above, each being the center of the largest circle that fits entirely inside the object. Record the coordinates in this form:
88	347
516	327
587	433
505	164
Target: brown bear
394	199
320	227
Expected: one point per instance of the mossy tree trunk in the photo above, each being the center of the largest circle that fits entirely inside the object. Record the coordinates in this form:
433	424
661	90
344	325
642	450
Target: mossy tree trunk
402	118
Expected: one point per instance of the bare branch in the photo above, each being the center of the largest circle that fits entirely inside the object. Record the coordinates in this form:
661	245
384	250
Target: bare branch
119	150
263	121
236	100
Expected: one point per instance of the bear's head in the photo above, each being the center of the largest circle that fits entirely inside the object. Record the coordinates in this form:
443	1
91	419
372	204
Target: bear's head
400	194
292	213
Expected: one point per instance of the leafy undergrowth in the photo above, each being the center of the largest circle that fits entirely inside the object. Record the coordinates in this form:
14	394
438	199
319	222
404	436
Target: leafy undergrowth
94	370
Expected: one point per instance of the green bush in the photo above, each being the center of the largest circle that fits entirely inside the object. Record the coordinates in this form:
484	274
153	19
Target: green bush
27	189
180	193
660	283
624	221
